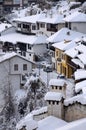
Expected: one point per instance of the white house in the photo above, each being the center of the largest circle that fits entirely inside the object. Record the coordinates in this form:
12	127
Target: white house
76	21
12	69
51	23
28	24
65	34
29	46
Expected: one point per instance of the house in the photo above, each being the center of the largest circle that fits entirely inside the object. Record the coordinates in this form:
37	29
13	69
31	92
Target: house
62	42
51	23
28	24
13	67
76	55
63	63
8	5
30	46
63	34
76	21
47	25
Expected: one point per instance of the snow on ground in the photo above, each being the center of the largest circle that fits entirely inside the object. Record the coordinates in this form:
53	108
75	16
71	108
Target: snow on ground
50	123
75	125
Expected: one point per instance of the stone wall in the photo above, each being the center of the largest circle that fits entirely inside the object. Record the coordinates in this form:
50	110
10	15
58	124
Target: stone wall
40	116
56	108
74	111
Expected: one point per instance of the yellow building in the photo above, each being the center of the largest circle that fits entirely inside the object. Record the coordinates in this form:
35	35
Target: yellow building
63	63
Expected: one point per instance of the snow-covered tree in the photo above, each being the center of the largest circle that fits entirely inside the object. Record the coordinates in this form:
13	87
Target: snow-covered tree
36	90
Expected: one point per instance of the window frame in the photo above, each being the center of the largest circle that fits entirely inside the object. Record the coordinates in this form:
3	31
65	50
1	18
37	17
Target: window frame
15	67
24	67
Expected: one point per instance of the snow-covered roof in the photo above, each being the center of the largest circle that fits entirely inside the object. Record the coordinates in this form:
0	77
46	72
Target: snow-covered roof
50	123
55	19
80	74
57	82
30	124
54	96
30	19
76	17
4	26
72	52
64	45
18	37
81	48
64	34
7	56
84	90
81	98
39	111
77	62
75	125
82	58
80	85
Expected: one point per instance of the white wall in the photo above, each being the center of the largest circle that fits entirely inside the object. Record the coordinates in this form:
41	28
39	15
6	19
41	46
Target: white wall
9	77
39	49
35	50
20	62
79	27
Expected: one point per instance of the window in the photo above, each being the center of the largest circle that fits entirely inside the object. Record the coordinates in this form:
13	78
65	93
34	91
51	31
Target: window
42	25
57	53
52	87
53	102
19	25
60	88
57	102
24	53
56	87
63	56
16	67
26	26
24	66
29	47
33	27
23	78
49	102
